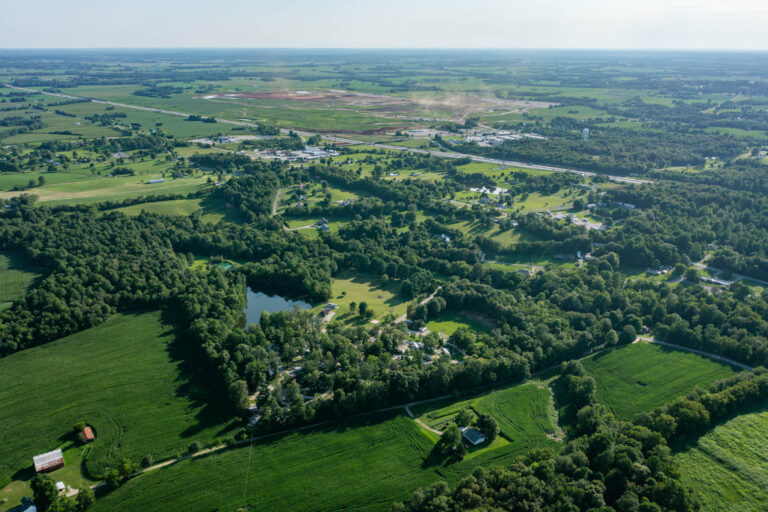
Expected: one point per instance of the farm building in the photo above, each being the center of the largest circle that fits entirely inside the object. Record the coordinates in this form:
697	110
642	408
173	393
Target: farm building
27	505
86	435
473	436
48	461
60	487
157	180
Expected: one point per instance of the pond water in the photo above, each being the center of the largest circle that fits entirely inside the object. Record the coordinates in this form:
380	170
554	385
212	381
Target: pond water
258	302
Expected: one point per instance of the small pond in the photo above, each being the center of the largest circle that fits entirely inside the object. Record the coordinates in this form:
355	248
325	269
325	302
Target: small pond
258	302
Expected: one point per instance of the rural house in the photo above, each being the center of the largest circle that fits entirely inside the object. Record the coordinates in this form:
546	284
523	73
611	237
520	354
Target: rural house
472	435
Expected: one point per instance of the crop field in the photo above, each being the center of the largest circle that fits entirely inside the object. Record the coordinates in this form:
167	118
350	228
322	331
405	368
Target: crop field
729	465
122	377
15	277
638	377
360	465
525	415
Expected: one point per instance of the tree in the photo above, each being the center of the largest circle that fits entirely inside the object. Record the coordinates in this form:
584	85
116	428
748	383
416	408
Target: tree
692	275
464	418
628	334
114	480
85	498
450	444
352	307
238	394
362	308
488	426
147	460
44	492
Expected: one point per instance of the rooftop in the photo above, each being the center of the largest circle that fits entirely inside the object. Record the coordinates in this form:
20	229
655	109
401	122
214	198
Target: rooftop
472	435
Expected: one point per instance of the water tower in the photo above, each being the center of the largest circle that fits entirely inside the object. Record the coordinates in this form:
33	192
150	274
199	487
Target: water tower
585	134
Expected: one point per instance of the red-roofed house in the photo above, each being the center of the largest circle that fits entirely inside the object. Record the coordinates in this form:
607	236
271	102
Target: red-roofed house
86	435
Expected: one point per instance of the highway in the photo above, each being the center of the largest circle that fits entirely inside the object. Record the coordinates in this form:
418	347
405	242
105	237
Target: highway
344	140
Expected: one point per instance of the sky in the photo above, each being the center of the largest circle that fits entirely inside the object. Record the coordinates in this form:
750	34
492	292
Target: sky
638	24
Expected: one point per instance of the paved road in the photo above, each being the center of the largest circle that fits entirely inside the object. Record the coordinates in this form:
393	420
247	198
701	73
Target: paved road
344	140
525	165
734	277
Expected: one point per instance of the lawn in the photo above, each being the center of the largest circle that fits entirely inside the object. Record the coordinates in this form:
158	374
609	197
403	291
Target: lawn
382	297
641	376
729	465
211	210
122	377
506	238
449	321
361	465
525	415
15	277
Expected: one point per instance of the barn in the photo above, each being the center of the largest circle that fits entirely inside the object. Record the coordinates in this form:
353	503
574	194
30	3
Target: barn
86	435
48	461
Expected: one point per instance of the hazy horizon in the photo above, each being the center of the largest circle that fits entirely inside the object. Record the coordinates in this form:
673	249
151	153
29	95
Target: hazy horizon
708	25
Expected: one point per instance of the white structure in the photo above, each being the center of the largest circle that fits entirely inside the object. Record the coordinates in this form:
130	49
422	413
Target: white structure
585	134
48	461
157	180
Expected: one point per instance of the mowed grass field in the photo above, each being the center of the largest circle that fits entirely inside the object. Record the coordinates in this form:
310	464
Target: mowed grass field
211	210
382	297
638	377
525	414
449	321
121	378
729	465
15	277
361	465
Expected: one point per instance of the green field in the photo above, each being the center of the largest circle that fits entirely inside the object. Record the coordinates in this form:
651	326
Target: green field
210	210
121	377
638	377
525	415
449	321
369	463
382	297
15	277
360	465
729	465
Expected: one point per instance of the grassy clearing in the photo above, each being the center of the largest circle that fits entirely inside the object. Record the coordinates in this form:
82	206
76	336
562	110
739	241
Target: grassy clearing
121	377
211	210
524	414
363	465
508	237
729	465
641	376
449	321
382	297
15	277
